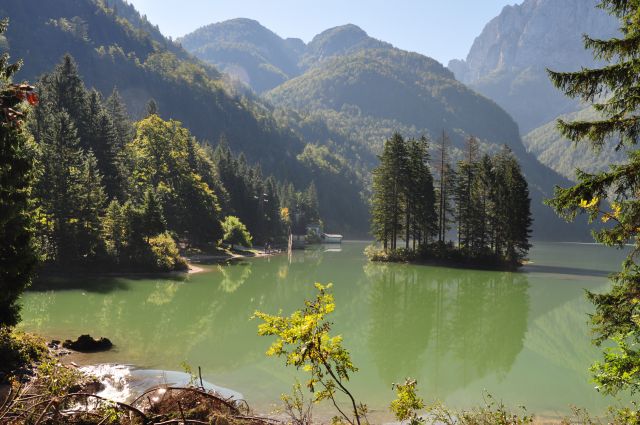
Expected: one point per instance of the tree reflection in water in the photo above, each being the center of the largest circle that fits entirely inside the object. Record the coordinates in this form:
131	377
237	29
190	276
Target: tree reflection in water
447	328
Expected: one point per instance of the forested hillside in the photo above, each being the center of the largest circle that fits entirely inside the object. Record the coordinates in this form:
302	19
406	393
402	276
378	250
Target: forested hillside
261	59
118	48
372	93
247	51
362	90
564	156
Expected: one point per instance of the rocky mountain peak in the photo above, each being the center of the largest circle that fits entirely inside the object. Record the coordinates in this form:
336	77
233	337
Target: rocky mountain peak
535	33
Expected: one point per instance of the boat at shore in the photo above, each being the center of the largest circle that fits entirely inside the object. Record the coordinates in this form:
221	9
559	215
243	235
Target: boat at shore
331	238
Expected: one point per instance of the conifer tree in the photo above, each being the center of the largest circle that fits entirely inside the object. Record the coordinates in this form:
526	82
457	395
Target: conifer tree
446	179
613	89
152	108
388	186
117	112
421	220
17	257
465	196
58	185
152	216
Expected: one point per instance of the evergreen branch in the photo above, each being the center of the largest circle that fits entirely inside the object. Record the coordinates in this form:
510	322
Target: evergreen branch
608	50
588	83
598	132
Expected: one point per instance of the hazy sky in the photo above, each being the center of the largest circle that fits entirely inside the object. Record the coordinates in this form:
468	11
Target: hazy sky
442	29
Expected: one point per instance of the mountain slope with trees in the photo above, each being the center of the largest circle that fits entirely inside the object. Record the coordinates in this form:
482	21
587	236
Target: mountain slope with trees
119	48
372	93
247	51
261	59
564	156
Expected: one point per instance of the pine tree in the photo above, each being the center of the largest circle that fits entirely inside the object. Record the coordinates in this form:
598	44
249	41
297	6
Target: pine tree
389	183
90	200
420	195
152	216
464	196
152	108
483	221
613	89
68	89
62	160
117	112
17	257
114	230
446	179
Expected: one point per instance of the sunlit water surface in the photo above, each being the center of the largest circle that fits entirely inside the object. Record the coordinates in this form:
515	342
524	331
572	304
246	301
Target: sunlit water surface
522	337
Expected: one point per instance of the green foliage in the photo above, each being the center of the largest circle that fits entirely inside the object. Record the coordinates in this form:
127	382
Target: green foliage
17	257
615	318
297	409
160	161
248	195
165	253
235	233
188	369
19	350
492	413
58	379
407	403
304	340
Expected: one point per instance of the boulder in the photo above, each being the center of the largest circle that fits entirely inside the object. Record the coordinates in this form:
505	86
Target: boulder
86	344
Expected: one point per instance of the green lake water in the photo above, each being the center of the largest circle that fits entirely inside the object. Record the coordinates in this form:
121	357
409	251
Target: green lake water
523	337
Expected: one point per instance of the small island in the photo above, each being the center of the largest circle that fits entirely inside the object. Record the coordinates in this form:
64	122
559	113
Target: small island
483	203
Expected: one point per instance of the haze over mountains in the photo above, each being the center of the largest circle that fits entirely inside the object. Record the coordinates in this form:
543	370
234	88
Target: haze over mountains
258	57
325	107
508	63
508	60
365	89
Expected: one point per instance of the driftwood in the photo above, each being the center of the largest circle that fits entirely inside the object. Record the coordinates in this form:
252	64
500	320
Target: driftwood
190	405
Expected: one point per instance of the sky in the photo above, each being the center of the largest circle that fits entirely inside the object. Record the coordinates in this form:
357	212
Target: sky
441	29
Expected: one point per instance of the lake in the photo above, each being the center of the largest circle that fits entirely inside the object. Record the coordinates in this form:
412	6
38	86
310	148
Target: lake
523	337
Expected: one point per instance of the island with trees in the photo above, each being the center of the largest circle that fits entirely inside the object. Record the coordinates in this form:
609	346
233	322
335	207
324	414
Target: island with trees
475	215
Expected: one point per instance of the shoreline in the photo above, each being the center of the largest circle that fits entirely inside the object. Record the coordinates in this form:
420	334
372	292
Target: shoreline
194	263
262	409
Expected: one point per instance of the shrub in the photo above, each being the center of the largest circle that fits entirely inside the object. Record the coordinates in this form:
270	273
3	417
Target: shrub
19	350
165	255
235	232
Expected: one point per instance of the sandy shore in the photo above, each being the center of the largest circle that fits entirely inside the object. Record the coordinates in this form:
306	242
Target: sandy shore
193	260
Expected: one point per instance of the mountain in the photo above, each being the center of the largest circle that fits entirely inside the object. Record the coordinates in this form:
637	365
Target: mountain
116	47
371	93
364	89
508	60
261	59
338	41
247	51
